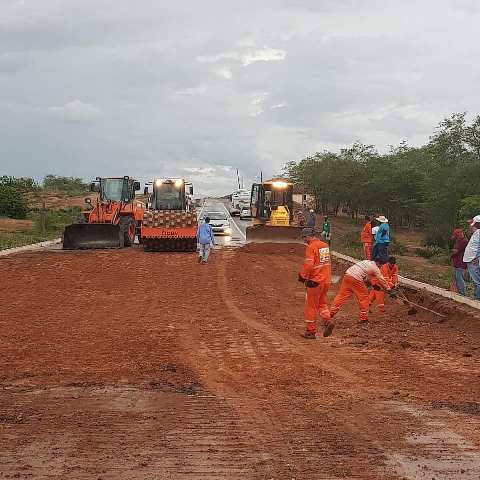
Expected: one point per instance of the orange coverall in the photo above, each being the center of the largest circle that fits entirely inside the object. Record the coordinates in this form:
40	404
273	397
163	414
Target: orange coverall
390	274
317	267
353	283
366	238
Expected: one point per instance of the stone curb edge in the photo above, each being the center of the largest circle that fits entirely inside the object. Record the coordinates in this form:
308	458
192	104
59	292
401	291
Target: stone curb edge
423	286
32	246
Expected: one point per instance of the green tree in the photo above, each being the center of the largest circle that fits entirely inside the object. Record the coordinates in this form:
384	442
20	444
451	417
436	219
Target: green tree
24	184
469	208
12	202
432	185
61	184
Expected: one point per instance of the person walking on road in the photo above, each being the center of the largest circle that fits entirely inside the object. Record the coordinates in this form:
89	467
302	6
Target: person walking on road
205	240
472	254
315	275
389	272
382	241
327	229
311	220
366	238
355	282
459	266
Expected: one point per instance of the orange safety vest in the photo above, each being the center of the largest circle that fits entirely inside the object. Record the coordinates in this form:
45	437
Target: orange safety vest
317	265
366	235
390	274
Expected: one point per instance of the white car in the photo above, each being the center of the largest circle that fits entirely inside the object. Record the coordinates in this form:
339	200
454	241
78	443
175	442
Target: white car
219	223
245	212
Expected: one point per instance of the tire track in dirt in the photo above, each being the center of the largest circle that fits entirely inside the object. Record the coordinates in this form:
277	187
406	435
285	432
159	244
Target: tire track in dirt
379	410
259	346
288	343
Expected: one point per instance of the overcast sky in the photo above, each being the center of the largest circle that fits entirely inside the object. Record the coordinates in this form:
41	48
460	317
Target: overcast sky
196	88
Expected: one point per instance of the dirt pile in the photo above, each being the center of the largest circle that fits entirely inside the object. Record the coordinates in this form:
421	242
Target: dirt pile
12	225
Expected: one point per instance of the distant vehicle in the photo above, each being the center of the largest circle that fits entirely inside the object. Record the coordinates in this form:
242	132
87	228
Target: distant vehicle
219	222
245	212
240	198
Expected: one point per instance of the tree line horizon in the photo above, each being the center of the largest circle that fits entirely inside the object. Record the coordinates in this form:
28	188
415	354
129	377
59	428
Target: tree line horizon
435	186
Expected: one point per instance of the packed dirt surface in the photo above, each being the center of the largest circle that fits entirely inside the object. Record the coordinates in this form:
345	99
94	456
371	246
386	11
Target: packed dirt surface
132	365
58	200
12	225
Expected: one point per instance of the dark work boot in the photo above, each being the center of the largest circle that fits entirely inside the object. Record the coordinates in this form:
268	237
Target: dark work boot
328	329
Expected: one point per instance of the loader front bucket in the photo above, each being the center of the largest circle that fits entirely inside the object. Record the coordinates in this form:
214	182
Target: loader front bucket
82	236
277	234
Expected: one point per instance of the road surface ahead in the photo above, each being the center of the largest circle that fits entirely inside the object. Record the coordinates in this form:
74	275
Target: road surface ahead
237	238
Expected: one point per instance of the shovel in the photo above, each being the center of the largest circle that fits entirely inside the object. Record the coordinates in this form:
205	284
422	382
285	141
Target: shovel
412	310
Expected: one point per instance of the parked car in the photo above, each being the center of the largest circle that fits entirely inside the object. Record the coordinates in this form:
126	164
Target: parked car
219	222
245	212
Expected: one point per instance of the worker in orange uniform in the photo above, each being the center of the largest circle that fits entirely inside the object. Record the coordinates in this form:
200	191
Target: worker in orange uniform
315	275
355	283
366	238
389	272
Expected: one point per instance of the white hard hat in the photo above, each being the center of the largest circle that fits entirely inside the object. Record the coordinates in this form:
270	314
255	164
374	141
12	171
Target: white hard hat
311	210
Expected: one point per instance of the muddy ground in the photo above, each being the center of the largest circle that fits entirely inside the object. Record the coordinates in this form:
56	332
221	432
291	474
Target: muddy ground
128	365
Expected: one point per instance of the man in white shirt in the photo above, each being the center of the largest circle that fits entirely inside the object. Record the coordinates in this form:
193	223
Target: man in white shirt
355	283
472	254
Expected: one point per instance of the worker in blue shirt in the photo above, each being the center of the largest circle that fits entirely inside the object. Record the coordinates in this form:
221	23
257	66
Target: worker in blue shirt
382	241
205	240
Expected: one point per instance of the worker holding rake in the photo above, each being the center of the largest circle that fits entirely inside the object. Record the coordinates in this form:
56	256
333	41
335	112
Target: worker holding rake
355	283
315	275
389	272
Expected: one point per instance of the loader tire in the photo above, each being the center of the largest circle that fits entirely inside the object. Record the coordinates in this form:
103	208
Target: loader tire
127	232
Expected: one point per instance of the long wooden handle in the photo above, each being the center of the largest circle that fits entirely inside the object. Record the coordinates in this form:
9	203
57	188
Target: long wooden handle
405	299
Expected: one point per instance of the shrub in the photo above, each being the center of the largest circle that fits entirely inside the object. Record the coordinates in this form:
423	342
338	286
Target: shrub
441	259
57	219
12	202
429	251
397	248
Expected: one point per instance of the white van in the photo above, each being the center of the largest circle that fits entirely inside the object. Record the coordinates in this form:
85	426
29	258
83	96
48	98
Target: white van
240	198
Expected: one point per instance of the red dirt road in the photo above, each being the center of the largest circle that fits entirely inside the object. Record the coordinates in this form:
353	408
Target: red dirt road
128	365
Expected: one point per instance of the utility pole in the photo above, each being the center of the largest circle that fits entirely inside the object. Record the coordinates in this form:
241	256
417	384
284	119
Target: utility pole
261	176
43	219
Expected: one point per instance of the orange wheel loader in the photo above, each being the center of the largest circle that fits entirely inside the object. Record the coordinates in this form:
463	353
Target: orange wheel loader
112	220
170	220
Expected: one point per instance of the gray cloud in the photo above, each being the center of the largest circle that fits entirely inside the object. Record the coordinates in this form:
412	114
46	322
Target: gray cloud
76	111
96	87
